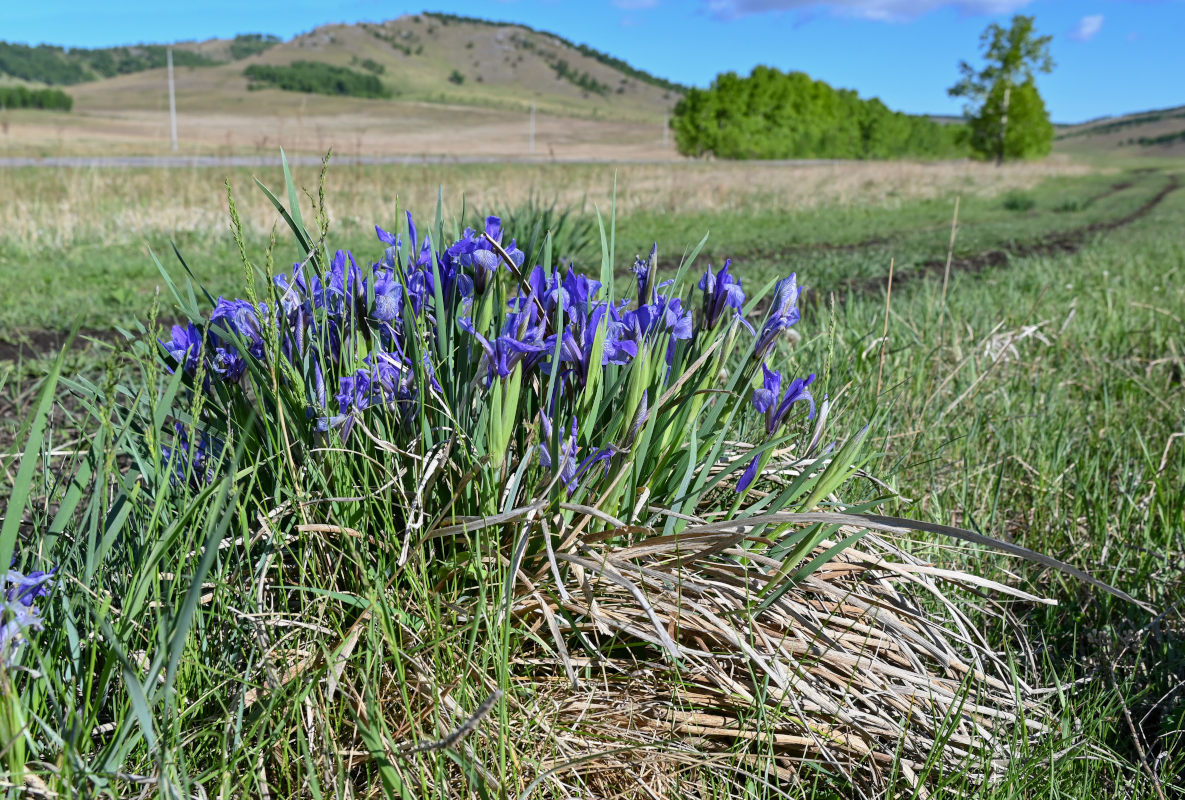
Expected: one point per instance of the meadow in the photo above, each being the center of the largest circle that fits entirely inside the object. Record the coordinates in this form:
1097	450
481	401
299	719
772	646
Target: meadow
1033	393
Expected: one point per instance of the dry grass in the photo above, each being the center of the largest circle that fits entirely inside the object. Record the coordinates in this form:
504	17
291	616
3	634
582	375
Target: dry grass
56	207
870	669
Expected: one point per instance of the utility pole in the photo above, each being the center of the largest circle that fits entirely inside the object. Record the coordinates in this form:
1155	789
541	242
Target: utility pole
172	100
532	139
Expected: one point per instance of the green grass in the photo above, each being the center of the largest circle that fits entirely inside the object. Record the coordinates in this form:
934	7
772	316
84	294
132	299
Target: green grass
1064	445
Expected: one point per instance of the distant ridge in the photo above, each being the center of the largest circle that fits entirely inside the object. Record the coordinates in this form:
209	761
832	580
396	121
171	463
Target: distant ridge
54	65
1156	132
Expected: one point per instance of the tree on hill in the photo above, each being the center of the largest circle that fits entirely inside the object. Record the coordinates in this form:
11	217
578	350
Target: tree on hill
1006	116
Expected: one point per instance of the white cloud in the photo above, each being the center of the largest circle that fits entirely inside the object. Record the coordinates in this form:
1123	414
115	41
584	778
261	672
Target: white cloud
634	5
1087	27
879	10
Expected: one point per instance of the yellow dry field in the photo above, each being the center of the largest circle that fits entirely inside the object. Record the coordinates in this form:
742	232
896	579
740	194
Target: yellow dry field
318	124
58	206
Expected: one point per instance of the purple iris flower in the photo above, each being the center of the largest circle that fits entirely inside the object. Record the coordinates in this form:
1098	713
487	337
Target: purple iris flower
345	289
642	275
298	299
475	254
579	338
766	399
386	381
722	291
227	363
185	346
19	618
782	314
240	318
18	615
568	465
521	336
27	588
192	462
667	315
776	409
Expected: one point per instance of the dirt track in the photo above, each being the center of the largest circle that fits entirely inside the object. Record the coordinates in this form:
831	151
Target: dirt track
1064	243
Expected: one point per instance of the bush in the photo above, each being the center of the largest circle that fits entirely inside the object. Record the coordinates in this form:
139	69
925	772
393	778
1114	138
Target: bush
249	44
318	78
1019	201
22	97
773	114
456	77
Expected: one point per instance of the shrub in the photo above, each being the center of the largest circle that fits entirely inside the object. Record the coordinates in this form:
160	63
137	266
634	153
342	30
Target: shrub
249	44
22	97
1019	201
316	77
456	77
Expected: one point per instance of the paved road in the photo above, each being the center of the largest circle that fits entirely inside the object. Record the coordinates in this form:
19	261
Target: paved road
307	161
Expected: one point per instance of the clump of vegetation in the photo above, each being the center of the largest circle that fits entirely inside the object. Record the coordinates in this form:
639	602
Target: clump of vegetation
316	77
369	64
1019	201
22	97
249	44
455	77
774	114
1006	116
1069	205
583	80
503	515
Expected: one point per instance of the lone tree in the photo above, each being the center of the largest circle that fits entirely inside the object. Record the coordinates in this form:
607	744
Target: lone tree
1005	113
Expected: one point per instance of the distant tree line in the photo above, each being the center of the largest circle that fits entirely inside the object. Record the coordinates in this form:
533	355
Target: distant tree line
589	52
59	66
775	114
316	77
1163	139
21	97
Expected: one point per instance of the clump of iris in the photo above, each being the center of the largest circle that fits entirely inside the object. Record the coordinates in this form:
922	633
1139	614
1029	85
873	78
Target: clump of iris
352	315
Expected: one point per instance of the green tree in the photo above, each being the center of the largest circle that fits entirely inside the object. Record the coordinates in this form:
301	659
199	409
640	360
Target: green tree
774	114
1006	115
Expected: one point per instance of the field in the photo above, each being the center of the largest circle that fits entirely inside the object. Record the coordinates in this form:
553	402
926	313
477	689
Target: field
1024	381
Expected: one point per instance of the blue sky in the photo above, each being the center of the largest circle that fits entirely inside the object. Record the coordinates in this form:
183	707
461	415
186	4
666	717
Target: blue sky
1113	56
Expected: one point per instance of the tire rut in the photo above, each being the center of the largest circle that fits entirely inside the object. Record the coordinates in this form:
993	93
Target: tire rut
1064	243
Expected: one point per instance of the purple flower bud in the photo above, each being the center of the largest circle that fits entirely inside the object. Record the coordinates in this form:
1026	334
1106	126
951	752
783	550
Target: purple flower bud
782	314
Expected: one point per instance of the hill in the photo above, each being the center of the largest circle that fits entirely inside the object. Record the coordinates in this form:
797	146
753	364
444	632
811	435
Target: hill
1160	132
428	57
